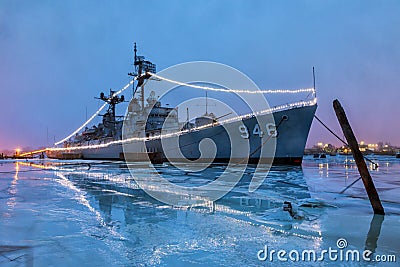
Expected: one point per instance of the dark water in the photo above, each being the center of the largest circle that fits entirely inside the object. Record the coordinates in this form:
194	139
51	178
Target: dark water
65	214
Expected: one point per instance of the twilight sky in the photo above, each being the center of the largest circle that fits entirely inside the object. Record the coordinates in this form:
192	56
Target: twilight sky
57	55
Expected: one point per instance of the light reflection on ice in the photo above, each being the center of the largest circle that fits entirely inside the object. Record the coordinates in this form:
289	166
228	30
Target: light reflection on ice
81	198
141	231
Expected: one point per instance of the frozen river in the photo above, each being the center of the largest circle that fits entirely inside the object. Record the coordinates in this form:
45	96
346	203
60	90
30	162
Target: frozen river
56	213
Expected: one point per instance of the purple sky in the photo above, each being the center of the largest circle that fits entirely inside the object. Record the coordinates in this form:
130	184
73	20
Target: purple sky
57	55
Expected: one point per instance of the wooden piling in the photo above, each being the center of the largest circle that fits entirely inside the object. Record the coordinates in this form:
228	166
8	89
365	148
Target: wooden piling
359	159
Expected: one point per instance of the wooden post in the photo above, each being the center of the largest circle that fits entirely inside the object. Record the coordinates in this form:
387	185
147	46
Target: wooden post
358	157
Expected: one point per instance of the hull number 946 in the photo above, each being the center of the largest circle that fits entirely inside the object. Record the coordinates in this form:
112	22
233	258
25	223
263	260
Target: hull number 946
270	130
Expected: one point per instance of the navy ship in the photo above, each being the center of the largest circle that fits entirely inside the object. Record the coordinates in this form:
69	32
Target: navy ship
151	131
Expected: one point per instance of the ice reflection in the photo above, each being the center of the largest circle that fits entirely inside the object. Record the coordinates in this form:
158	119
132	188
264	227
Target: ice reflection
116	198
80	196
340	175
13	190
143	231
374	231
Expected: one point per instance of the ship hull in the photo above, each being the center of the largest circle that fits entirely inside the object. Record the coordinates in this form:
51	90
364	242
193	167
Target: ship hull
290	143
112	152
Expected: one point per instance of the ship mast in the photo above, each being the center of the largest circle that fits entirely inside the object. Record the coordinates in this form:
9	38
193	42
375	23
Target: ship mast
206	103
142	66
112	101
313	74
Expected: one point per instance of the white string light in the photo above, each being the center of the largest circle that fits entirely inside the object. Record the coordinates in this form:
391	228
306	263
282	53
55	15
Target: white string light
95	114
242	117
278	91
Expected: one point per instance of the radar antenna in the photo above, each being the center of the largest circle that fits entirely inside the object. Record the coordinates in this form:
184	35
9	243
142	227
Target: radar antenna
142	66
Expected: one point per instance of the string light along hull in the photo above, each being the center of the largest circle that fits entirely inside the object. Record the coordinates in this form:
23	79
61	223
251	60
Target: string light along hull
284	143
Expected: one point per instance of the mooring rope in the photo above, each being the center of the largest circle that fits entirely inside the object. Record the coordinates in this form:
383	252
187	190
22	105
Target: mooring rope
350	185
344	142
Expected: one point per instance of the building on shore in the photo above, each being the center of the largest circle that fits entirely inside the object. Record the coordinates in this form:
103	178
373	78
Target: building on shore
379	148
